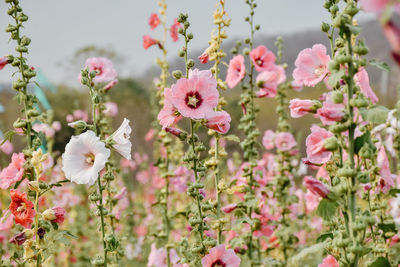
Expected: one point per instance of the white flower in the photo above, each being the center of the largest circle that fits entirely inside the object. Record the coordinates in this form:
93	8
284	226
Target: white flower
84	157
395	208
121	139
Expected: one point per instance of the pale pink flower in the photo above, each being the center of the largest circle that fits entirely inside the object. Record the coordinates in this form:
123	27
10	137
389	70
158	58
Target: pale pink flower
311	200
263	59
284	141
110	85
154	21
311	65
80	115
300	107
229	208
13	172
329	261
316	152
7	147
150	135
104	68
174	30
330	113
395	208
218	121
3	62
6	221
158	257
219	256
236	71
149	41
84	157
111	109
315	186
44	128
374	6
362	80
297	86
392	33
204	57
168	115
121	139
268	139
196	96
386	181
56	125
270	80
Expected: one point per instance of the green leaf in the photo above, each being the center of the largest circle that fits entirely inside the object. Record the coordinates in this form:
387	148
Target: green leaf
232	138
324	237
394	191
380	65
7	136
335	78
327	209
380	262
391	227
377	114
361	140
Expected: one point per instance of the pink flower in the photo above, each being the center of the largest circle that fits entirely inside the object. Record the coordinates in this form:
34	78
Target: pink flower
362	80
270	80
315	186
329	261
154	21
316	152
14	172
219	256
56	125
392	33
111	109
3	62
196	96
268	139
104	68
330	113
386	181
55	215
158	257
229	208
374	6
168	115
311	200
110	85
300	107
150	135
297	86
311	65
174	30
148	41
262	58
285	141
7	147
236	71
218	121
204	57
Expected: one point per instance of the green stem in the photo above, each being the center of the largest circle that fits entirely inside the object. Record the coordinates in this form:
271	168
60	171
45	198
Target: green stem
100	207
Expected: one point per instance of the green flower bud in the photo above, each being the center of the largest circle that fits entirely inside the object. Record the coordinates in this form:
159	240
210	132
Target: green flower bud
19	123
331	144
337	97
325	27
21	49
177	74
25	41
246	51
190	63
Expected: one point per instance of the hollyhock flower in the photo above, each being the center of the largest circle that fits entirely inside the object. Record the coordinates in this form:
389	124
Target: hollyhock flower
174	30
19	238
330	113
110	85
236	71
392	33
374	6
204	57
218	121
104	68
311	200
150	135
395	208
229	208
21	208
284	141
111	109
268	139
148	41
7	147
13	172
196	96
219	256
301	107
262	58
297	86
55	215
362	80
6	221
56	125
269	81
3	62
84	157
315	186
311	65
329	261
44	128
168	115
121	139
158	257
154	21
316	152
386	181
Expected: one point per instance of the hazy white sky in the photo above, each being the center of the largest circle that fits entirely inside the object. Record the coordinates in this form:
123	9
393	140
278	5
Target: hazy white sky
58	28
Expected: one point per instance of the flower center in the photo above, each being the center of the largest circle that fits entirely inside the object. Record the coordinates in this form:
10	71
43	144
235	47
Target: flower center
126	136
259	62
193	100
22	207
320	70
89	158
98	71
218	263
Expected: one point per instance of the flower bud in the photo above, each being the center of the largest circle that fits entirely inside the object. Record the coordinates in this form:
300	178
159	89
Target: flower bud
331	143
325	27
190	63
78	125
337	97
316	186
177	74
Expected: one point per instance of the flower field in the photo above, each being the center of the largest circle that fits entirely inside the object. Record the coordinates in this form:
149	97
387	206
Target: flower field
236	157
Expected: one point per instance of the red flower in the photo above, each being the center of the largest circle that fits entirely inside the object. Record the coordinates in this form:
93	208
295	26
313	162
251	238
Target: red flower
174	30
154	21
148	41
21	208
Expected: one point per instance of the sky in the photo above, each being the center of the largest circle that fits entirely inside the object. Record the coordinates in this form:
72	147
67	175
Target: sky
59	28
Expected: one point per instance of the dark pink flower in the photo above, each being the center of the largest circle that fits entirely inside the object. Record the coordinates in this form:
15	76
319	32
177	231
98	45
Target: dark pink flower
174	30
329	261
315	186
196	96
392	33
311	65
204	57
219	256
362	80
218	121
154	21
104	68
168	115
110	85
268	139
3	62
300	107
284	141
149	41
316	152
236	71
229	208
262	58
